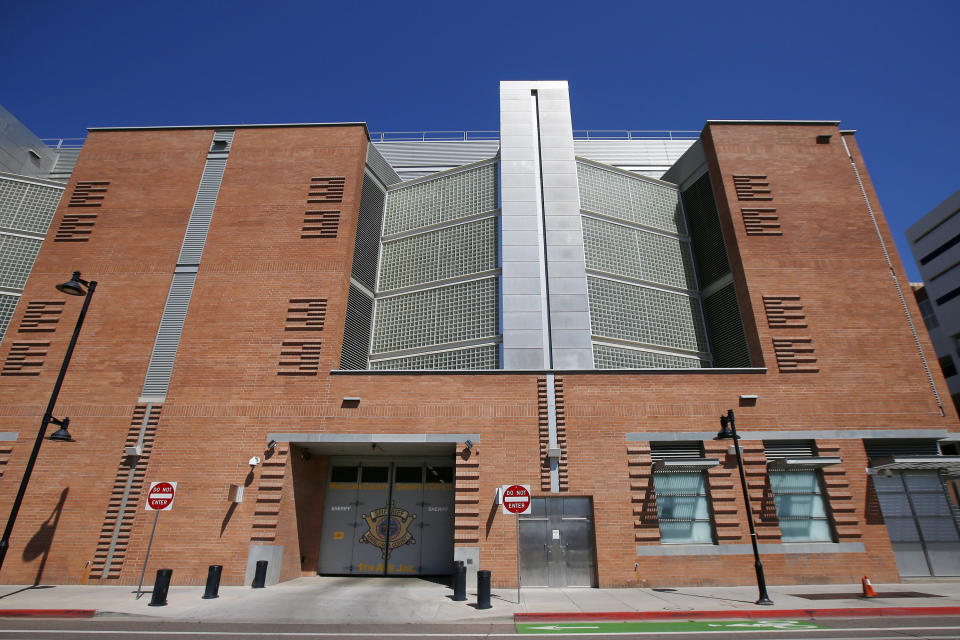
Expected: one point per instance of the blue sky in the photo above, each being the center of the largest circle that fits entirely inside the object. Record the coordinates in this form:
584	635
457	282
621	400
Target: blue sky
889	70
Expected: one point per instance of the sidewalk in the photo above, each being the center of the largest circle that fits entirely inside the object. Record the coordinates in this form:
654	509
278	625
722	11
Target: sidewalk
339	600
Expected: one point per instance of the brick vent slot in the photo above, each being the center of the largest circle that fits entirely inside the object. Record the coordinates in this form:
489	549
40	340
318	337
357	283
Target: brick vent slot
761	221
326	189
784	312
306	314
6	448
752	187
643	497
88	193
300	358
41	316
75	227
266	514
25	359
320	224
323	223
466	522
133	505
836	486
795	355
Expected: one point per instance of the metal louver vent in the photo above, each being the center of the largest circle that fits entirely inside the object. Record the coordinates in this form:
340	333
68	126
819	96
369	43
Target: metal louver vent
887	447
380	167
202	213
675	450
778	449
708	247
168	335
366	247
728	340
356	330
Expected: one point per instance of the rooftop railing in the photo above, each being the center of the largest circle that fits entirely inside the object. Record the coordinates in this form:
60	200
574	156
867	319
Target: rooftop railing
578	134
63	143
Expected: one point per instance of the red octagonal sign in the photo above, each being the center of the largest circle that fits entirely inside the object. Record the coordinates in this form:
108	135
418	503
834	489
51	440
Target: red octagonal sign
160	496
516	499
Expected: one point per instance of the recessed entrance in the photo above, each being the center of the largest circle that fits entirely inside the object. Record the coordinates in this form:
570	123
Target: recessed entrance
557	544
388	517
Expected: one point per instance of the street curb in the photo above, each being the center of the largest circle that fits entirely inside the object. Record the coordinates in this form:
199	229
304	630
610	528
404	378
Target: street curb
47	613
846	612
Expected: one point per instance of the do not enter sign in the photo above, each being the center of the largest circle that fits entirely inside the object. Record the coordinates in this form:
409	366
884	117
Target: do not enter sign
516	498
160	496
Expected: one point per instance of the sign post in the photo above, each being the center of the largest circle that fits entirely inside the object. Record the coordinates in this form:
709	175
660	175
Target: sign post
159	498
515	500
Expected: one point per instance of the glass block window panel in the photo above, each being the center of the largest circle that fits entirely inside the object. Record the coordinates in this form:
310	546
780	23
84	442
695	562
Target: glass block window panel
630	198
485	357
8	303
645	315
441	199
800	506
682	509
465	311
17	255
11	195
633	253
607	357
37	209
27	207
438	255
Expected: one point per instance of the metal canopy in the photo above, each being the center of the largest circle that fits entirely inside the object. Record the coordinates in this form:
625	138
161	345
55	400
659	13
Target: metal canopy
690	464
802	463
949	464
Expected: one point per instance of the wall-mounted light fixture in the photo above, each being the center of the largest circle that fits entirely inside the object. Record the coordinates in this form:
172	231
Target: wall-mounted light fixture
272	444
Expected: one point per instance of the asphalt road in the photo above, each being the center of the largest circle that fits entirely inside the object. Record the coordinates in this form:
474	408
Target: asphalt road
882	628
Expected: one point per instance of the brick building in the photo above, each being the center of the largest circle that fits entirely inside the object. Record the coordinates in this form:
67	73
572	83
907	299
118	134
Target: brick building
369	347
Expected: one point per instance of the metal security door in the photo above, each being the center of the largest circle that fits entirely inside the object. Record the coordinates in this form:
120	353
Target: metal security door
362	535
373	525
340	520
557	544
404	546
436	521
923	532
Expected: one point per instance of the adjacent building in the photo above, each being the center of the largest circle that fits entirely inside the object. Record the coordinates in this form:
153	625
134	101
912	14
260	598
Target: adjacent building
340	350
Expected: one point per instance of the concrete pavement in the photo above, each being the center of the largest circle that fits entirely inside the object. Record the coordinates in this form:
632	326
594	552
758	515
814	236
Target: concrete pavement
339	600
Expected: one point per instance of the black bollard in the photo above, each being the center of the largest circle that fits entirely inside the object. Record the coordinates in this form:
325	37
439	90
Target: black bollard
483	589
213	582
160	587
460	583
260	577
453	576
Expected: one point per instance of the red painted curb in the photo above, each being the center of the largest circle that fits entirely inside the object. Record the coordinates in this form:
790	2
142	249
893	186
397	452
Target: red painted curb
47	613
847	612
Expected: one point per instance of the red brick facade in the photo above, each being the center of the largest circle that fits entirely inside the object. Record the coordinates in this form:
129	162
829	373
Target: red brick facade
225	394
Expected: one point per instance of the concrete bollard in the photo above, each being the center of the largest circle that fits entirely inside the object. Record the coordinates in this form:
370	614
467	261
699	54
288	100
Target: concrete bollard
260	577
483	589
160	587
213	582
460	583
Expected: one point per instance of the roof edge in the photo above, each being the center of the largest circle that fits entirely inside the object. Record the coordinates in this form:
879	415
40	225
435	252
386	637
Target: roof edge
237	126
814	122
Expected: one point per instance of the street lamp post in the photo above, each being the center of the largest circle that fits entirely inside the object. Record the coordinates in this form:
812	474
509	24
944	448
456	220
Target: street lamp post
75	287
728	430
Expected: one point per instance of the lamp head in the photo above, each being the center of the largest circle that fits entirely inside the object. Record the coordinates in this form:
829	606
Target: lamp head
73	287
726	427
61	434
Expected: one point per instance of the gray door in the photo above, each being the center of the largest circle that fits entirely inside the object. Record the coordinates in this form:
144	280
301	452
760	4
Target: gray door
361	535
557	544
922	529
